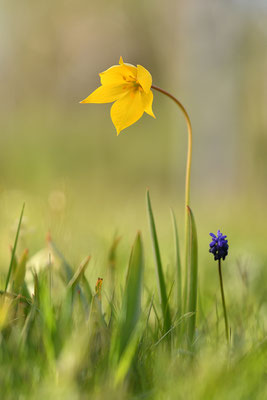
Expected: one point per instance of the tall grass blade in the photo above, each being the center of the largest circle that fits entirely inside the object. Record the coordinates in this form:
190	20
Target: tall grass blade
159	272
192	275
14	248
131	308
177	266
126	323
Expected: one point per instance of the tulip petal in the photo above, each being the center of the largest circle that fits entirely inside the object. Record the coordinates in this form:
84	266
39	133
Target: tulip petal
127	110
147	101
106	94
118	74
144	78
112	76
128	67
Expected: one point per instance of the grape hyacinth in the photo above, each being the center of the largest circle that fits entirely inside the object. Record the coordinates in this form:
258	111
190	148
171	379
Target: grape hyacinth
219	246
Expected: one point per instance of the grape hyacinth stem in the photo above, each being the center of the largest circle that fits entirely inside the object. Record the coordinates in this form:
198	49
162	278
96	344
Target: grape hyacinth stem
223	302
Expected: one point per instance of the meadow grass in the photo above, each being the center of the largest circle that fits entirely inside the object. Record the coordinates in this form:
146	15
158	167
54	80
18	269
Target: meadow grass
102	296
64	335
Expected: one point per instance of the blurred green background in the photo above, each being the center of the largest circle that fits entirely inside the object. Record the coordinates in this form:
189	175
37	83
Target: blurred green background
84	184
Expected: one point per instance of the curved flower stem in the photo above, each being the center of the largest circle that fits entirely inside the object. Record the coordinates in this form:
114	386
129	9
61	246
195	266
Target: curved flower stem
223	302
187	180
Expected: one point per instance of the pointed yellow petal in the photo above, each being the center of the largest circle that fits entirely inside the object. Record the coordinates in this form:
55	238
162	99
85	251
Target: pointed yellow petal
144	78
112	76
118	74
127	110
106	94
121	62
147	101
128	67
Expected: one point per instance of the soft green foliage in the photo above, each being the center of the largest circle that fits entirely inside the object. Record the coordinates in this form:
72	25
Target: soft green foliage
58	338
61	338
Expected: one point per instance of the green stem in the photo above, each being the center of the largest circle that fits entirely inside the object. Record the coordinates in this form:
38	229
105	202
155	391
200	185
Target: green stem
223	302
187	182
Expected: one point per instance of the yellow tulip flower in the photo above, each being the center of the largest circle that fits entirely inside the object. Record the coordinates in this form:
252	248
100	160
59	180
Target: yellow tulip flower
130	88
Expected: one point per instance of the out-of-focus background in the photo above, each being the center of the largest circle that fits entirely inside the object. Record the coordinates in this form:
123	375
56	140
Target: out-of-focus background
84	184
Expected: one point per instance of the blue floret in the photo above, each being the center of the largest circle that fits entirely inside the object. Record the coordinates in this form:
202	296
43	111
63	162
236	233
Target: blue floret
219	246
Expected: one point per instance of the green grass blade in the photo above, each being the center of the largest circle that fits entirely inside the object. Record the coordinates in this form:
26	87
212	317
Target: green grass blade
19	275
87	289
193	275
177	266
128	356
78	274
133	293
14	248
125	325
47	318
159	272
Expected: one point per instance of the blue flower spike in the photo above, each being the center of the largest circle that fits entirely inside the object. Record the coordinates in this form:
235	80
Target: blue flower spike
219	246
